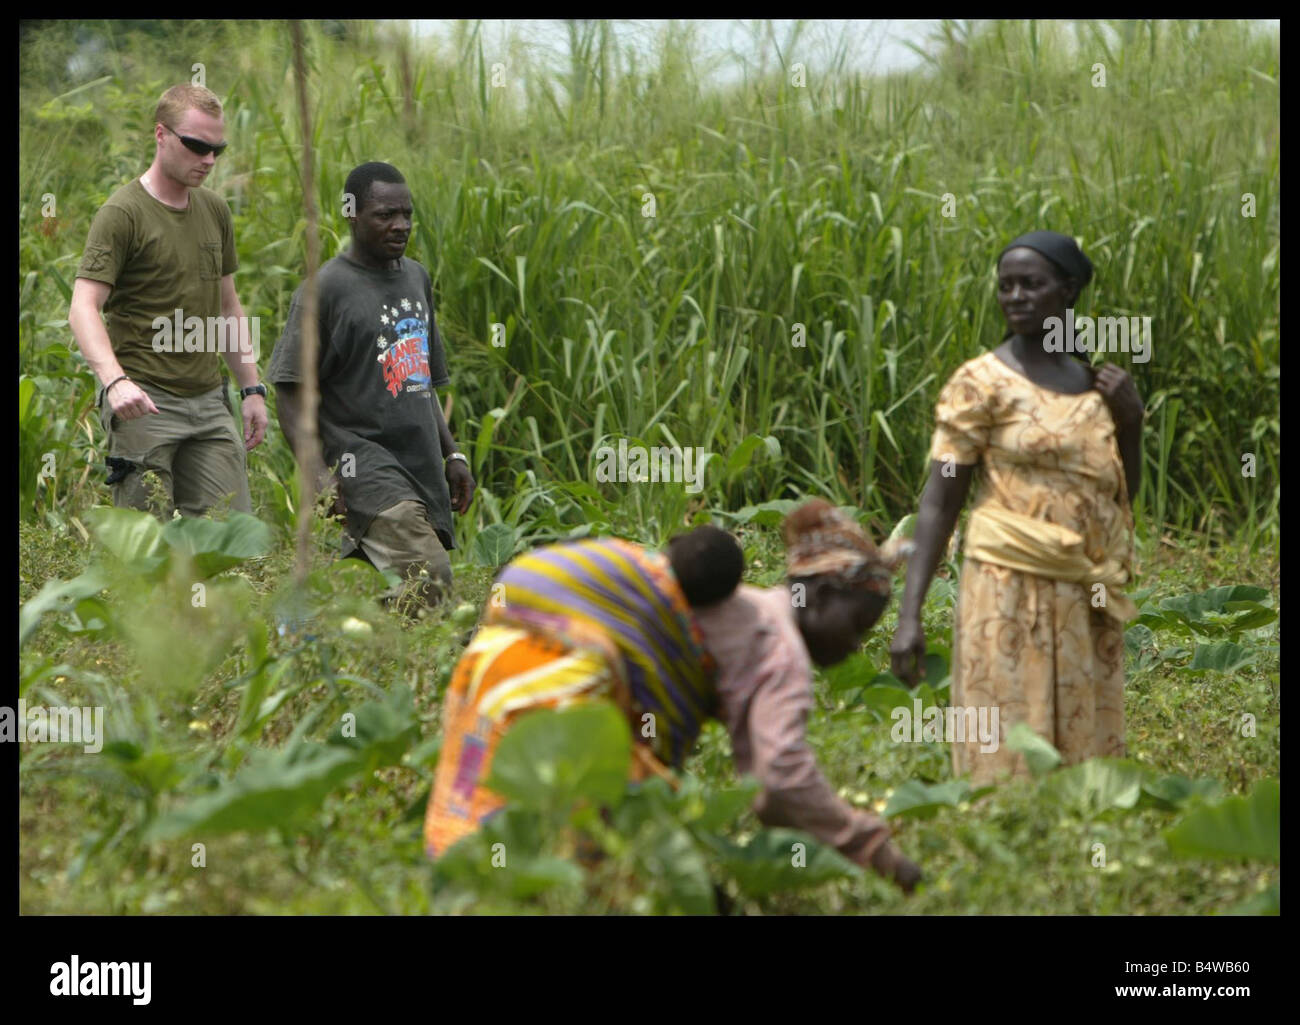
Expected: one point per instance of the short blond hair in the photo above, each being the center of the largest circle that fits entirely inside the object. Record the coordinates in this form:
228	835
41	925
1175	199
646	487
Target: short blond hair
180	98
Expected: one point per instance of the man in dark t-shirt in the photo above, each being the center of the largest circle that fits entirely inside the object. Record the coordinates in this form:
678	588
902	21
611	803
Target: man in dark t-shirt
380	359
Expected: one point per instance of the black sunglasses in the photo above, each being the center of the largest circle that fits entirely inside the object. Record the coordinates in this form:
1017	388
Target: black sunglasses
198	145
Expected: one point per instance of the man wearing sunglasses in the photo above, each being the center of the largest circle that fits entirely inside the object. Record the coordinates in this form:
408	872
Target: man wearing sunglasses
159	263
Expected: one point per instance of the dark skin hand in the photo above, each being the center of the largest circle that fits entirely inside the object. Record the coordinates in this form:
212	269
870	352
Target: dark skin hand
1030	290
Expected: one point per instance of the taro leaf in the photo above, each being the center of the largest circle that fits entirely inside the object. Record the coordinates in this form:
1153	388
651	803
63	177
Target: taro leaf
671	857
1237	827
1252	615
1172	792
855	671
494	546
882	700
57	595
551	759
936	669
536	875
1191	608
766	514
503	858
214	545
91	616
926	694
1222	657
269	794
779	860
1098	786
383	731
723	807
922	800
135	538
1039	754
1137	639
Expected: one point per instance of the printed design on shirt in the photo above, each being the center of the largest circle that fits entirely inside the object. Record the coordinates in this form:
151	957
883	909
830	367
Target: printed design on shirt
403	345
96	257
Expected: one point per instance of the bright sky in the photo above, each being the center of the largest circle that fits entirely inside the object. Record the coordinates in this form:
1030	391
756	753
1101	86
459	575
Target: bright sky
874	45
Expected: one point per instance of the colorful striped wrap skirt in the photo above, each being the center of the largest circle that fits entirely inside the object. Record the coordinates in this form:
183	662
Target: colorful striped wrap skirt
568	623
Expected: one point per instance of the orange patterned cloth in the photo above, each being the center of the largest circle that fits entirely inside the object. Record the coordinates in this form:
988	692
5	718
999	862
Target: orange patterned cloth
507	672
504	673
1041	650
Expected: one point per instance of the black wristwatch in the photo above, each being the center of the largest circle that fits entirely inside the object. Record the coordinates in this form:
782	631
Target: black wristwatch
257	389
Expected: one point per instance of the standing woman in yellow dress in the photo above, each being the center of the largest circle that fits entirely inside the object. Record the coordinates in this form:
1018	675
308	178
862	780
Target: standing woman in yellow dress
1040	610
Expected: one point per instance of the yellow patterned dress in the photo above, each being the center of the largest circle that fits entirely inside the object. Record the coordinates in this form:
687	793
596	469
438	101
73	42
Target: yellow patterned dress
1042	650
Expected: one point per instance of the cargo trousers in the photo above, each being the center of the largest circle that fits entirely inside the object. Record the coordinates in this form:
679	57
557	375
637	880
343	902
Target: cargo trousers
193	446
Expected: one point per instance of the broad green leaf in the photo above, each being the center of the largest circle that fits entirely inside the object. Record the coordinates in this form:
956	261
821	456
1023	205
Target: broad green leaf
57	596
670	857
855	671
936	669
1193	607
1221	657
382	732
766	514
1237	827
922	800
537	875
1098	786
214	545
494	545
1039	754
135	538
1172	792
723	807
550	759
1250	615
268	794
883	699
781	860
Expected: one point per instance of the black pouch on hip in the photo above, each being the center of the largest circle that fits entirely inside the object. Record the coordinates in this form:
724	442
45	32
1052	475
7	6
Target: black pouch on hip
118	469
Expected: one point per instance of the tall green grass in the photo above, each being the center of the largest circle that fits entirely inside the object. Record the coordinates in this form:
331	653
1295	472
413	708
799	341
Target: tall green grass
775	205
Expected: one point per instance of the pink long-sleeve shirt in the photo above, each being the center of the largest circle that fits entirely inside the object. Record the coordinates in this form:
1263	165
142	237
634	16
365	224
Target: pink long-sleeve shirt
765	693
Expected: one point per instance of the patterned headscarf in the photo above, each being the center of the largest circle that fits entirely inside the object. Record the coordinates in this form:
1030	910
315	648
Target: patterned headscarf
822	541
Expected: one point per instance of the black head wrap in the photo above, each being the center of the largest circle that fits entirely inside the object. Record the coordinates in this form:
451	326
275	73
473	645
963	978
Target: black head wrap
1060	249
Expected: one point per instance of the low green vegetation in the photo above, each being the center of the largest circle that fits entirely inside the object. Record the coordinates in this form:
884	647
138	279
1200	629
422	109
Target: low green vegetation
766	272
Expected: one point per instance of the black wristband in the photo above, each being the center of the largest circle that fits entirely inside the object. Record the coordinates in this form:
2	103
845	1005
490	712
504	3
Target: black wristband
114	381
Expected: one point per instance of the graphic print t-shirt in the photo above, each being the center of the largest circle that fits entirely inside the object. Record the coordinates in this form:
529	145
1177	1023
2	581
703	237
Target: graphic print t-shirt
380	359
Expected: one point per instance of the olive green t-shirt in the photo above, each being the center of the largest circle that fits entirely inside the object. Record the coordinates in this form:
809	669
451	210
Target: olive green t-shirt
160	260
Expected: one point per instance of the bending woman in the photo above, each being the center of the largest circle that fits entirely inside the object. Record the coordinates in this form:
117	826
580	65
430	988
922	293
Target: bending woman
1040	613
674	637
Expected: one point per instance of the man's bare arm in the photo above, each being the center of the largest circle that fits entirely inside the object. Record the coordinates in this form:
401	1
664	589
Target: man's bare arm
243	366
85	317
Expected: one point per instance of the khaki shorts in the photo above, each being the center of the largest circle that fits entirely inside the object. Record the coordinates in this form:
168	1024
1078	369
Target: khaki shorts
193	446
401	539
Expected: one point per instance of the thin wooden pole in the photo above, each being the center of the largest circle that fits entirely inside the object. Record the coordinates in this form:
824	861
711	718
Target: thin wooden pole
309	461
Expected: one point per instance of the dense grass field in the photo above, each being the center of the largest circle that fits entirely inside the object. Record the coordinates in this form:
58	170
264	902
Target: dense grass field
655	251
